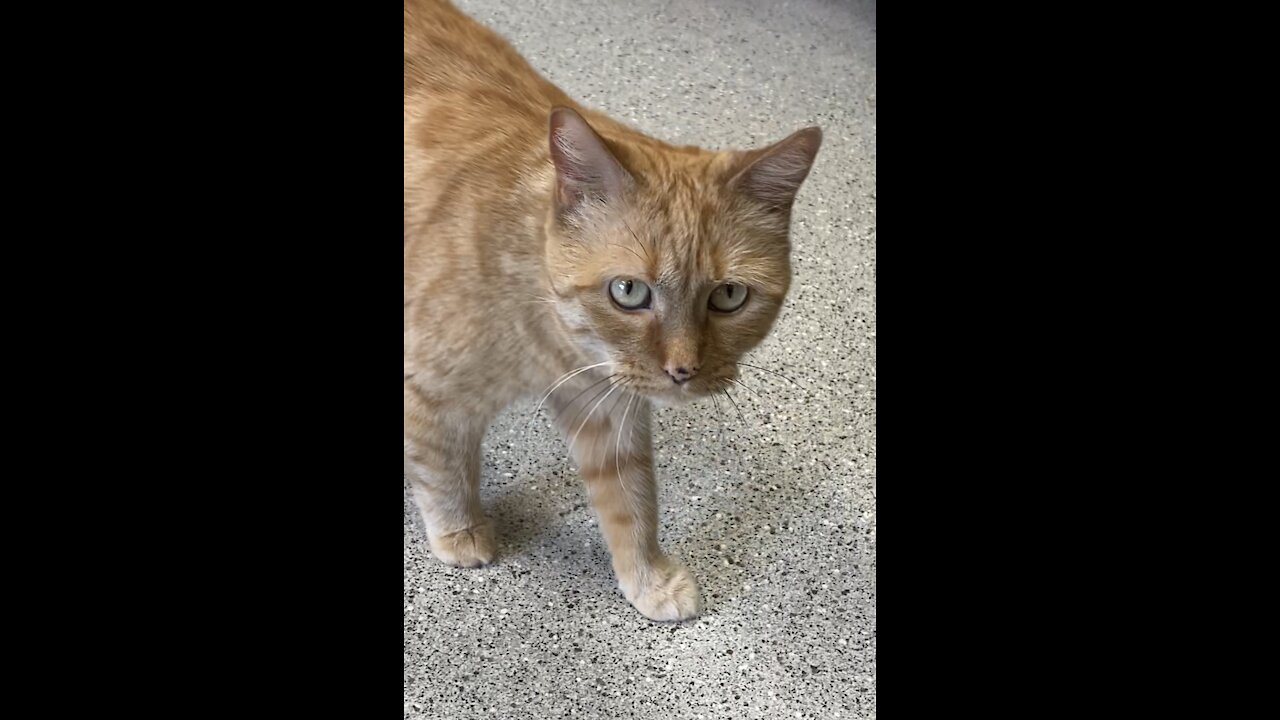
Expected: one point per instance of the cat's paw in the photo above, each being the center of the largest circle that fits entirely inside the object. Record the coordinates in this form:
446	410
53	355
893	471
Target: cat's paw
667	592
468	548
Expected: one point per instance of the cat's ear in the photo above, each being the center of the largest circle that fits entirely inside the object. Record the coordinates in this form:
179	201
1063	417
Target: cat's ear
584	166
772	176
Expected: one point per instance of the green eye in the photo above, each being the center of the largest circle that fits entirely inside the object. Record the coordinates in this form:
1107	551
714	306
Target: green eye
728	297
629	294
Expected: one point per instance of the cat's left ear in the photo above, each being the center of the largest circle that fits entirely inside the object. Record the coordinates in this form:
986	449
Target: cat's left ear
772	176
584	166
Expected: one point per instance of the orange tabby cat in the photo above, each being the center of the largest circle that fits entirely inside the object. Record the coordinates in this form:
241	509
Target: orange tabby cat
549	249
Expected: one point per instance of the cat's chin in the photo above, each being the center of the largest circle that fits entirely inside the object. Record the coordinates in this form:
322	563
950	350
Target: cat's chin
675	398
670	400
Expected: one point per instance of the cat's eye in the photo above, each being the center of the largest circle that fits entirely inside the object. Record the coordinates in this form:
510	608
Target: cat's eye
629	294
728	297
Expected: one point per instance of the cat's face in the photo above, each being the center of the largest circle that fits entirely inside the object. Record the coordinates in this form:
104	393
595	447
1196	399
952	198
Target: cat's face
674	268
672	307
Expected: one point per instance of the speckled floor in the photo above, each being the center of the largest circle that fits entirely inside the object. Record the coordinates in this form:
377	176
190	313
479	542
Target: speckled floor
777	518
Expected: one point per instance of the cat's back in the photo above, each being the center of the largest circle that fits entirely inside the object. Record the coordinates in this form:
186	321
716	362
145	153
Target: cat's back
477	177
463	82
475	124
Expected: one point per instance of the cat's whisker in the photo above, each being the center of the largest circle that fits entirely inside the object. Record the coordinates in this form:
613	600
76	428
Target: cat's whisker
744	387
722	424
617	445
573	443
719	420
613	380
784	377
566	378
631	436
604	446
735	406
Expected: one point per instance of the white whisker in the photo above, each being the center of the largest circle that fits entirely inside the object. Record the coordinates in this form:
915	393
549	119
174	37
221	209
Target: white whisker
735	407
771	372
618	443
744	387
574	441
566	378
611	412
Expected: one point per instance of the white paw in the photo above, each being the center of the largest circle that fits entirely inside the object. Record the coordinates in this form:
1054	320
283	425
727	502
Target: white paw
472	547
666	592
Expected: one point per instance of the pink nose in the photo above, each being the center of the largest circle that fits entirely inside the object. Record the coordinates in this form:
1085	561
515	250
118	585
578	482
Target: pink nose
681	375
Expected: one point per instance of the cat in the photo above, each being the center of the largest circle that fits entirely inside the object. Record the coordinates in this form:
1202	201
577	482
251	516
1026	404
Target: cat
551	251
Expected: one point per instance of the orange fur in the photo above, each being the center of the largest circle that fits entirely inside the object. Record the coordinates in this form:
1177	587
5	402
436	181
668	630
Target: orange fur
516	218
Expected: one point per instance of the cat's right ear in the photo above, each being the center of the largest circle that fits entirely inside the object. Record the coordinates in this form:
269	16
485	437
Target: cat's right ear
585	169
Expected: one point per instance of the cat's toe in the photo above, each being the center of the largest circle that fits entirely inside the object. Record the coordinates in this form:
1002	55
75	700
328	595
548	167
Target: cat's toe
669	594
468	548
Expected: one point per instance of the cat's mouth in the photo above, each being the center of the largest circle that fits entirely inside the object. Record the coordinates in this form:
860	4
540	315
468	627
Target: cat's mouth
668	393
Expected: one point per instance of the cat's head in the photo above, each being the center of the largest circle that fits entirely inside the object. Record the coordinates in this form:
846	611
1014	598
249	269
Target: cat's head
670	263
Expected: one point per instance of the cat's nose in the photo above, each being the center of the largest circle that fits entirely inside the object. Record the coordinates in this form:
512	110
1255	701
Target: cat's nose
681	375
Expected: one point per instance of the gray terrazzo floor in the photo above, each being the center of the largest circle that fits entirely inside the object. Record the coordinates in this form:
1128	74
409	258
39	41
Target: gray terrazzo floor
776	518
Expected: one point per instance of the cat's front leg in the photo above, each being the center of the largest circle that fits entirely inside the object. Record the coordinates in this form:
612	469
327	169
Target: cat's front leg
610	440
442	462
